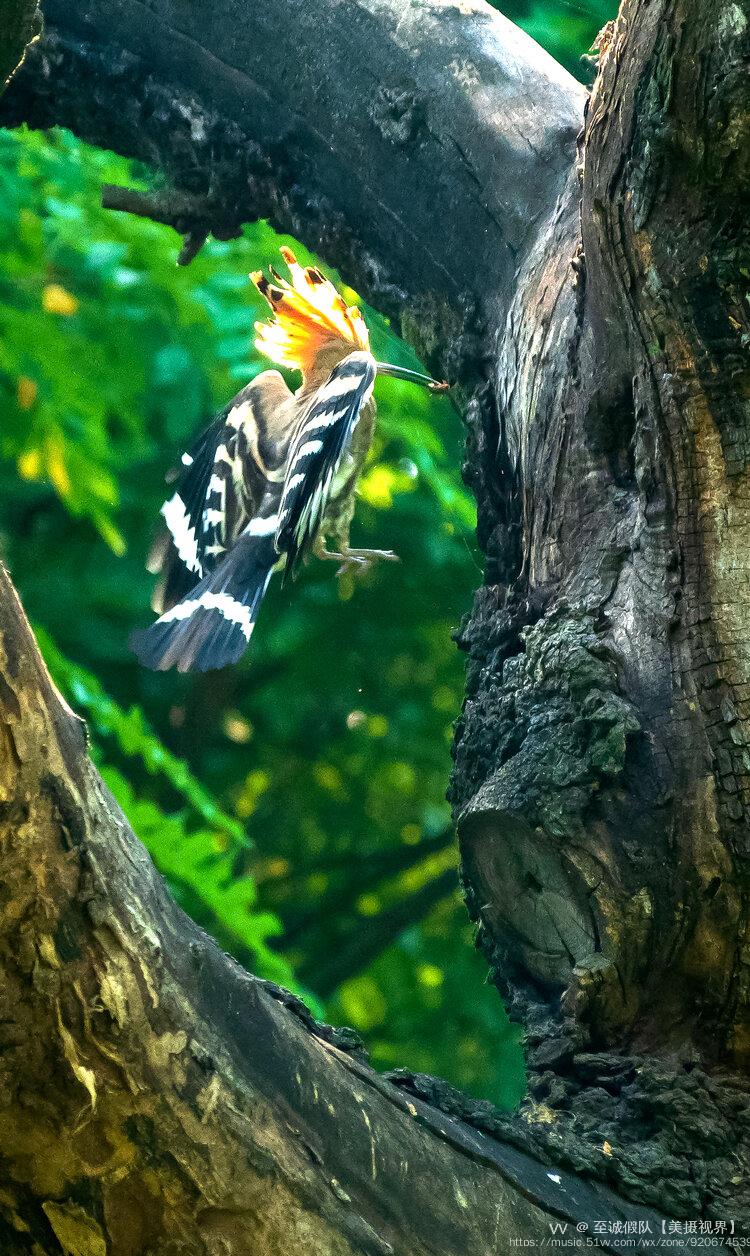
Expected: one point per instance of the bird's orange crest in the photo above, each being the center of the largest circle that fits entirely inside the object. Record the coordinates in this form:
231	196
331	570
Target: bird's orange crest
309	314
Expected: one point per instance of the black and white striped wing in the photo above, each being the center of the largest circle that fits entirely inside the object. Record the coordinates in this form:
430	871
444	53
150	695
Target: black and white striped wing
211	627
179	552
218	553
220	485
317	452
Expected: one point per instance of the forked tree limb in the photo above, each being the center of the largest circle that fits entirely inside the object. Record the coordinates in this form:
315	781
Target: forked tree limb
155	1093
593	301
417	146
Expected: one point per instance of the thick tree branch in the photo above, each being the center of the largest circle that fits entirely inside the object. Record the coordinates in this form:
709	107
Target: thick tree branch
601	778
143	1073
416	146
190	215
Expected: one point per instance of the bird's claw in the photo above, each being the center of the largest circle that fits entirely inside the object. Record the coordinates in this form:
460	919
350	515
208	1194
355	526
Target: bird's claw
355	560
352	564
362	559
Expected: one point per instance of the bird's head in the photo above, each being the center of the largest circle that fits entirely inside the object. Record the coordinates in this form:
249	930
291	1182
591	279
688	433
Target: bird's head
312	328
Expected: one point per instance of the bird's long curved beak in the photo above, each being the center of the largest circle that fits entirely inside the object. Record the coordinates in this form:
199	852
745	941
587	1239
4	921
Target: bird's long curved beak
413	377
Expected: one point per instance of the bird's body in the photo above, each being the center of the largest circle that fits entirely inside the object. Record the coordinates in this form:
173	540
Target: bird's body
269	482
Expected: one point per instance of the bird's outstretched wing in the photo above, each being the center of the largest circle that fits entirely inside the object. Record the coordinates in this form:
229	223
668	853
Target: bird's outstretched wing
317	452
221	483
218	551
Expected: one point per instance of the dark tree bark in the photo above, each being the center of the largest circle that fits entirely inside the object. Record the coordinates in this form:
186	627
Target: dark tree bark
602	766
155	1098
590	301
20	23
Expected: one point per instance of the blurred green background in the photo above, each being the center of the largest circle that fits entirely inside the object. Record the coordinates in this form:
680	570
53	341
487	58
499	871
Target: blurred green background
566	28
296	802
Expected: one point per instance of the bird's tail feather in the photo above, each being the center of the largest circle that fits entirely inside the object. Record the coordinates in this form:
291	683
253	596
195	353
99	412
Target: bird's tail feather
212	625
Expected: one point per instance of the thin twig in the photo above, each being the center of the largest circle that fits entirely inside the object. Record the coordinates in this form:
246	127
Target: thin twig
186	212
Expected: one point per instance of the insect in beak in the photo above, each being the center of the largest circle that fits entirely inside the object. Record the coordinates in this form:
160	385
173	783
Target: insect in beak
413	377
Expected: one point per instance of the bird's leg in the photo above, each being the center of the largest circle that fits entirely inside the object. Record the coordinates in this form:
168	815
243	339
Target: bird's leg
368	556
352	559
320	551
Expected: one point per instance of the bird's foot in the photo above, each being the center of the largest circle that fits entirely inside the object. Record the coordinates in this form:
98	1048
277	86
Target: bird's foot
357	560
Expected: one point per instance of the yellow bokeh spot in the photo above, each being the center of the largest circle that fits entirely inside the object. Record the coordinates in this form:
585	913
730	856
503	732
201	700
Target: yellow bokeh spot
377	725
368	904
329	778
56	468
57	300
256	784
30	464
277	867
376	487
237	728
430	975
411	834
412	879
26	392
362	1002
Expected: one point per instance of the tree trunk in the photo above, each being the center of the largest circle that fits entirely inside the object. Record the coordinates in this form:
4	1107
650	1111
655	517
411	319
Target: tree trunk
592	306
602	764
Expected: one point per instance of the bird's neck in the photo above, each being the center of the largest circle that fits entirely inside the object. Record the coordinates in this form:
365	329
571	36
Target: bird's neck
320	368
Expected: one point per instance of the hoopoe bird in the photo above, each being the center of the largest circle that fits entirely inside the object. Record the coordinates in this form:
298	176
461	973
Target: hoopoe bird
271	480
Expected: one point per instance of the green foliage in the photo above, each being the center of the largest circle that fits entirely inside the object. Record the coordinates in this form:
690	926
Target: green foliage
199	863
202	876
332	739
295	803
133	737
566	28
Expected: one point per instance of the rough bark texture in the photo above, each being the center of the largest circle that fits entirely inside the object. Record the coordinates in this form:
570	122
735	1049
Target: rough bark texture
417	145
592	306
155	1098
601	767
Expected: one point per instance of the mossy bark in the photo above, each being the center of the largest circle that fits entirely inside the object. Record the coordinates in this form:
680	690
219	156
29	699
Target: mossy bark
601	781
